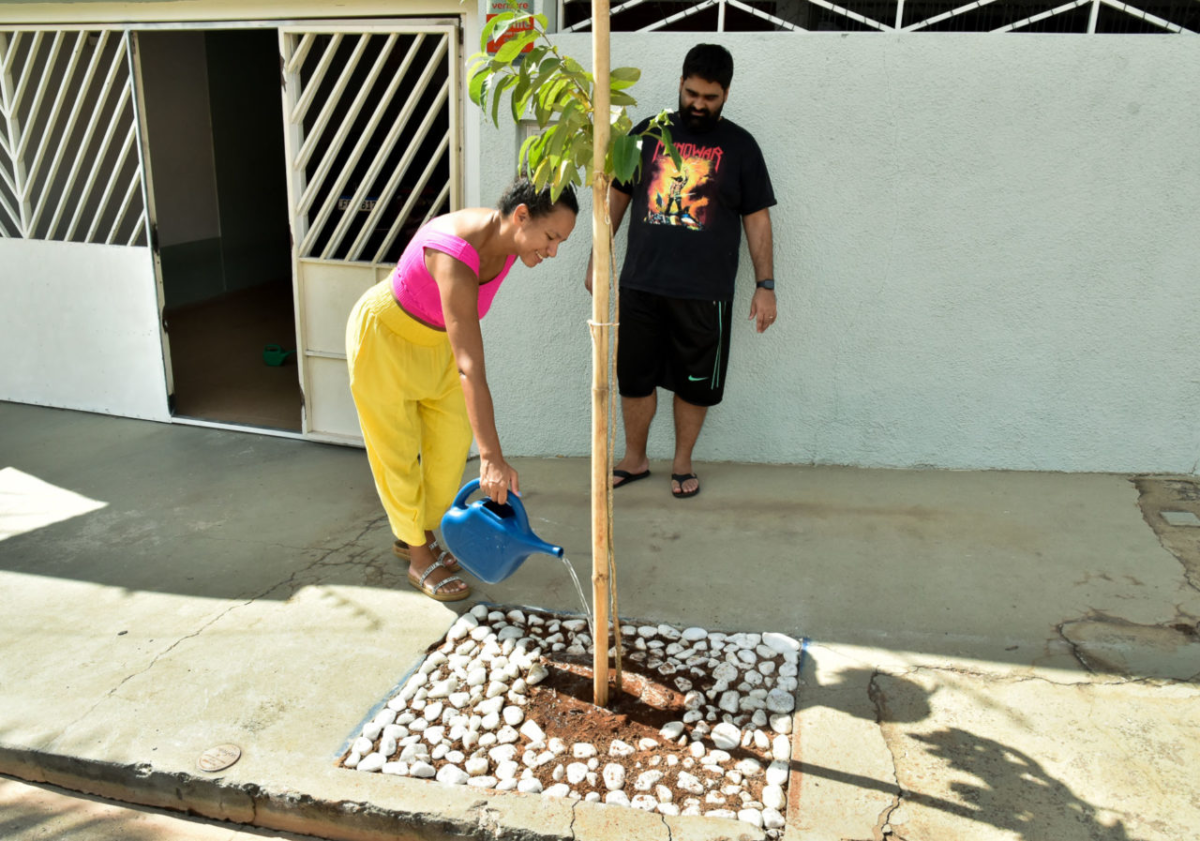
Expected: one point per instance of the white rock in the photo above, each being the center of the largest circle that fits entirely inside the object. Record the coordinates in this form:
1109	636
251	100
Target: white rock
647	744
455	756
372	729
751	816
434	735
519	687
646	631
487	739
781	723
530	786
372	762
507	770
476	766
668	633
576	773
506	735
619	748
672	730
693	700
694	634
477	677
459	699
618	798
773	819
663	794
575	625
715	757
729	701
773	797
781	748
762	741
645	802
531	731
503	753
582	750
479	782
490	721
557	746
496	688
440	751
720	813
614	776
491	705
749	766
647	779
689	783
422	769
513	716
780	701
537	673
683	684
726	736
777	773
557	790
747	657
781	643
696	749
789	670
363	745
398	769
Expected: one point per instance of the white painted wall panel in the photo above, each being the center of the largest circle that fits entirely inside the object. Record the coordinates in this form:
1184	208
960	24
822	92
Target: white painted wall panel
986	253
79	328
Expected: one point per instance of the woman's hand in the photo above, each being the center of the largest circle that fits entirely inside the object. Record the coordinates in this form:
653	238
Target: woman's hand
497	477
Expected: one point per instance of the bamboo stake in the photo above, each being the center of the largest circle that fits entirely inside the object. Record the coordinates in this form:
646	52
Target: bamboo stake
612	446
601	327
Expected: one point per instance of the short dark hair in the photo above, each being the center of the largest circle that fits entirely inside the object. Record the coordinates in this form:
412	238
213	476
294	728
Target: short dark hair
522	191
710	62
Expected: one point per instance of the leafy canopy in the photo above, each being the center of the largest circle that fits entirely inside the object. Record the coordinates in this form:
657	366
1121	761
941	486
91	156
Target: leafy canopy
560	95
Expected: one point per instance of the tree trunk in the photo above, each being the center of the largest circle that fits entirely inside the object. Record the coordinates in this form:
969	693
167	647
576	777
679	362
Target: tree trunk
601	328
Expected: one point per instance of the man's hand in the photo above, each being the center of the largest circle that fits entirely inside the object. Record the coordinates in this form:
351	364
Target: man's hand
762	308
496	477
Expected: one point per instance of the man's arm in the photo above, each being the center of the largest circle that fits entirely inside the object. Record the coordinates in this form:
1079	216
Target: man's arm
618	203
759	241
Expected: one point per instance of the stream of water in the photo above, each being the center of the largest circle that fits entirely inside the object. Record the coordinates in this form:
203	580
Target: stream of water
583	599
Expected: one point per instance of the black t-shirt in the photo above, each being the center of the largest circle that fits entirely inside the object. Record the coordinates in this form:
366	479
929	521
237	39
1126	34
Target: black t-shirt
685	227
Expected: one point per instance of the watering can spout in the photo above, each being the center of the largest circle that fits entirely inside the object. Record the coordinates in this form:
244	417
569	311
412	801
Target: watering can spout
491	540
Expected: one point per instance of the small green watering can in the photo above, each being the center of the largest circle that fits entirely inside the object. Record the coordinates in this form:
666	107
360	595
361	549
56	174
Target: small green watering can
274	355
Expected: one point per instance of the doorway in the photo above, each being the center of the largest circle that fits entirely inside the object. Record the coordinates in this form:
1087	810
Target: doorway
216	153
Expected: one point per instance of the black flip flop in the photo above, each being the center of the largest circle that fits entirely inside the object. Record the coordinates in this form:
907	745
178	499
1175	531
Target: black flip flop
626	477
681	478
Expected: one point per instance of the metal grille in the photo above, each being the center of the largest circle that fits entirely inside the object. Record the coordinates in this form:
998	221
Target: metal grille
371	117
1064	16
70	167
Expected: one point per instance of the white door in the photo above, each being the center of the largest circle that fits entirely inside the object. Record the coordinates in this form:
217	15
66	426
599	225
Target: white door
372	120
78	300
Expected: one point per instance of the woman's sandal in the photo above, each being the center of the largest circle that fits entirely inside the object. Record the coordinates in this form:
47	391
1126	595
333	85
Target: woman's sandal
434	590
400	550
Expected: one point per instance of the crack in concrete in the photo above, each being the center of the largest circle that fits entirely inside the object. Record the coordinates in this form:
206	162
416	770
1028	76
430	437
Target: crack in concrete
571	829
666	825
876	696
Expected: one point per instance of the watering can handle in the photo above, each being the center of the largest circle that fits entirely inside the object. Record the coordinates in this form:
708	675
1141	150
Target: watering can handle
465	491
514	502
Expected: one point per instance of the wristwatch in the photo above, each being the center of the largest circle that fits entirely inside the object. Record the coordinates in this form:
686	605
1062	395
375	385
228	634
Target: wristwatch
766	283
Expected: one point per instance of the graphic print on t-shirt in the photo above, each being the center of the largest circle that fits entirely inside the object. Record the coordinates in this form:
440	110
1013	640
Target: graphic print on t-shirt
677	196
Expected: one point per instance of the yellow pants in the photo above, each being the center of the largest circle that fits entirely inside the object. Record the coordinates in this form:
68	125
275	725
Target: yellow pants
410	403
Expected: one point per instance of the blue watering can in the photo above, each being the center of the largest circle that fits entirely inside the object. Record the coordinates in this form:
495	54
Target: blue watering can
491	540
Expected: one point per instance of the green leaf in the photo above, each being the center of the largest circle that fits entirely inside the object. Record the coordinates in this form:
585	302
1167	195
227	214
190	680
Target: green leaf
623	77
505	83
500	20
573	66
622	98
478	83
542	175
626	156
670	147
510	50
542	21
523	155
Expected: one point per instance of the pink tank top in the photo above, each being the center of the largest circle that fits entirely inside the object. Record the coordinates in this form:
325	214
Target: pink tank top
417	291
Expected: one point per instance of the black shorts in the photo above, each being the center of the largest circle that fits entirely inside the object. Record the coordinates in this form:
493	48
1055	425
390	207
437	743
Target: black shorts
679	344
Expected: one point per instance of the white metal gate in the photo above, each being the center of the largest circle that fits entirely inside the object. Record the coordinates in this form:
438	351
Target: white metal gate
78	305
372	122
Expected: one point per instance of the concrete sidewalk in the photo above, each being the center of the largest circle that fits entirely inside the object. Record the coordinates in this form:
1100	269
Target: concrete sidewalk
991	655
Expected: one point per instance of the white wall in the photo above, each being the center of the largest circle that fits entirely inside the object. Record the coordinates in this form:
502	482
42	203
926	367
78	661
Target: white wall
986	256
79	328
